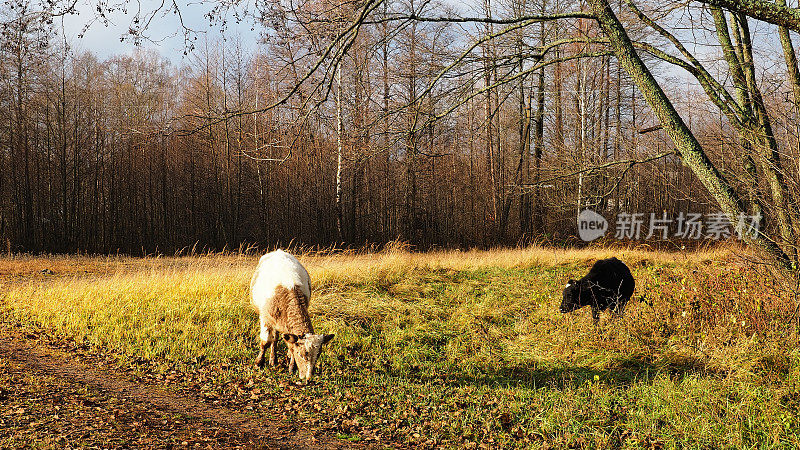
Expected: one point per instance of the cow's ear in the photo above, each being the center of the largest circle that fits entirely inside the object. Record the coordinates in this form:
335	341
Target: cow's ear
291	338
327	338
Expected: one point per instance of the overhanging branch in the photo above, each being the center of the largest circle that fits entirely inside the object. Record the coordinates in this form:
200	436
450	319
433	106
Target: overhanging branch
627	162
762	10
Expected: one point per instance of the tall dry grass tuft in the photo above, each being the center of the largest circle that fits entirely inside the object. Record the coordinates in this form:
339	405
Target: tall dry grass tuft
177	309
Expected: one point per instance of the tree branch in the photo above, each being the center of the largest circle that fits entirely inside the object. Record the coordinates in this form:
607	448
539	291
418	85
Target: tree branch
629	162
762	10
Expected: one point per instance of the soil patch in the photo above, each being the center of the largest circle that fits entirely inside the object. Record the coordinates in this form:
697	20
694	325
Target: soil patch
51	398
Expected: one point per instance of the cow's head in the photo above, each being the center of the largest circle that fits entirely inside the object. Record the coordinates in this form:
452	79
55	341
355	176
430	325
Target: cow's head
306	350
571	299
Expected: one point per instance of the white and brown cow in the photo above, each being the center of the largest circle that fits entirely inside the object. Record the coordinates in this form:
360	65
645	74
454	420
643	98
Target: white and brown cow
280	291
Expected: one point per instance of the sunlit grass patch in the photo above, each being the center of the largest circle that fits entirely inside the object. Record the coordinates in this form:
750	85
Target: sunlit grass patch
175	315
451	348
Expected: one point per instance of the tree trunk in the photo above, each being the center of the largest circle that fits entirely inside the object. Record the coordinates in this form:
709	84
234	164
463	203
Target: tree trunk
689	149
339	149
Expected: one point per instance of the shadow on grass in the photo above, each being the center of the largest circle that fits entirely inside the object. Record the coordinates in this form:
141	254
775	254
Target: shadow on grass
622	372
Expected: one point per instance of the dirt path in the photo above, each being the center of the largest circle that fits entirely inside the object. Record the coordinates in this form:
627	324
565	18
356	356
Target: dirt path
51	398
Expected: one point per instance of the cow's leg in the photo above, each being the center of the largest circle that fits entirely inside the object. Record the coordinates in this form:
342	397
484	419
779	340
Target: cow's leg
273	343
595	314
266	339
260	358
292	363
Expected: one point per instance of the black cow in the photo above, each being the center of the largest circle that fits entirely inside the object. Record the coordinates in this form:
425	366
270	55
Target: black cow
608	285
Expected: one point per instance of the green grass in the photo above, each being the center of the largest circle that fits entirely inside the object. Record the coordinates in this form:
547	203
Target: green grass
459	348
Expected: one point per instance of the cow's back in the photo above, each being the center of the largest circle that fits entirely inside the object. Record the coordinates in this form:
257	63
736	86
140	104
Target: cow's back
276	269
612	274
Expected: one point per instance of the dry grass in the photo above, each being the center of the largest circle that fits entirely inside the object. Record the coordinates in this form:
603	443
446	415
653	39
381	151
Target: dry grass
471	341
397	255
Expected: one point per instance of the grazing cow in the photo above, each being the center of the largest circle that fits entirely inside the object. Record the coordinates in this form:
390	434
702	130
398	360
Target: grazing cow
608	285
280	291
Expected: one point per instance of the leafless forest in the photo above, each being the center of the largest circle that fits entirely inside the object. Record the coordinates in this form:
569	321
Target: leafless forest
347	124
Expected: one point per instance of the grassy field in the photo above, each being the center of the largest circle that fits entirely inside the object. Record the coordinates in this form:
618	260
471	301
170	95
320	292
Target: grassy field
453	349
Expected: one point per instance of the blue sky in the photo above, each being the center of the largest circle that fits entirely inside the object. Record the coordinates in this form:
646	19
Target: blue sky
165	33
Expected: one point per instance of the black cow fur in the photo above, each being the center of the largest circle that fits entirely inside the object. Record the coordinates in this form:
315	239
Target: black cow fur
608	285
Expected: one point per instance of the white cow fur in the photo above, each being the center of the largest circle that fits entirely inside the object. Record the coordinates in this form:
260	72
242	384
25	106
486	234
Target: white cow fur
277	270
